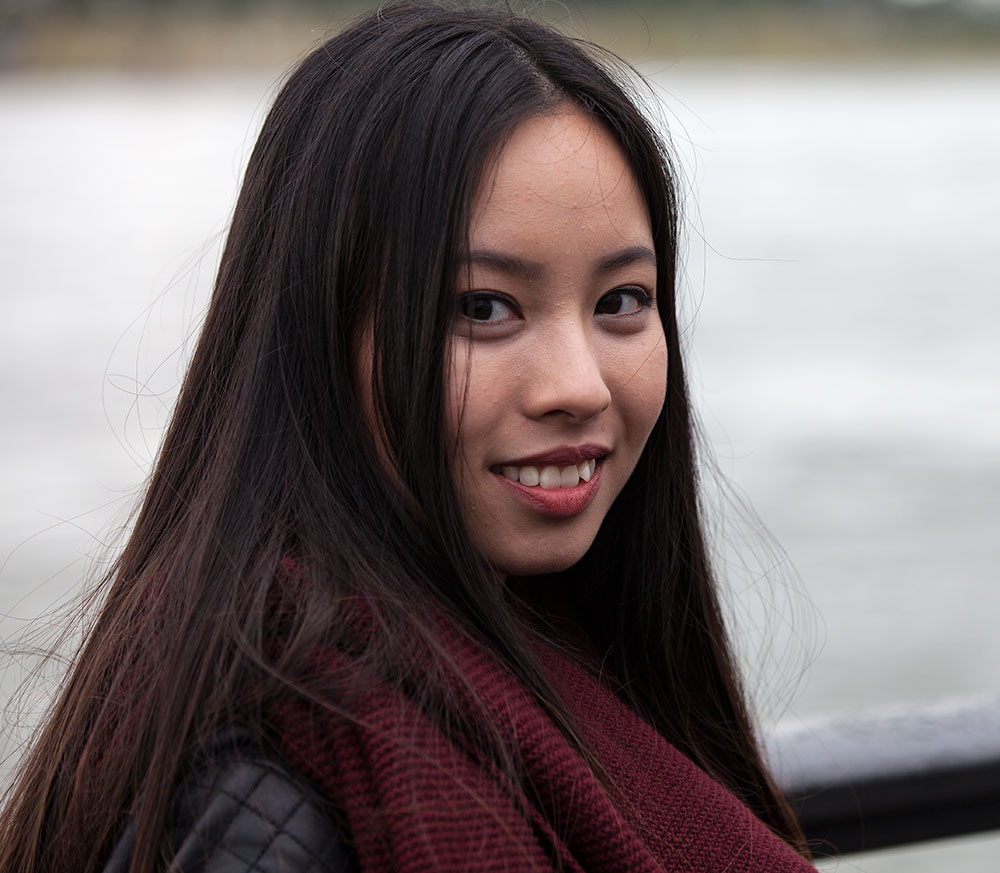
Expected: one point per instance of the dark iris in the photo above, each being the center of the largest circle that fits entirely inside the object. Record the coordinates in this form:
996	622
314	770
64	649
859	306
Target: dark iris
480	309
622	302
476	307
609	304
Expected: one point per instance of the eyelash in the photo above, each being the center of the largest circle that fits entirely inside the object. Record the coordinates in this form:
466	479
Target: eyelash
644	300
466	301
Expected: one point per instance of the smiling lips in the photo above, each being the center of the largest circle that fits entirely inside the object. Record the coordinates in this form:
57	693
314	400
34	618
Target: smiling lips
559	484
551	477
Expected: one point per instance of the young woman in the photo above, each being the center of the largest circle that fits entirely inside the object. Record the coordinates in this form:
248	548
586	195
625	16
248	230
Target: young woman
419	581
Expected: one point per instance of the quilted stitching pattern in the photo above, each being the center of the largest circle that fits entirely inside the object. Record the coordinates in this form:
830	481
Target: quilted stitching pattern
244	813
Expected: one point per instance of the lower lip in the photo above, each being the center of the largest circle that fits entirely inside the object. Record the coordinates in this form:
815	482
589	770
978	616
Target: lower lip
557	502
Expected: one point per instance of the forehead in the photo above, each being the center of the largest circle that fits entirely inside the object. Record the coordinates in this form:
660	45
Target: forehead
559	174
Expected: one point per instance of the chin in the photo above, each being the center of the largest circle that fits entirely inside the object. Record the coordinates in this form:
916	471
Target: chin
538	568
538	559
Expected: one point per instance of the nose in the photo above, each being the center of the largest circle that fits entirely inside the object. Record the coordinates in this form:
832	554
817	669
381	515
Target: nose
567	378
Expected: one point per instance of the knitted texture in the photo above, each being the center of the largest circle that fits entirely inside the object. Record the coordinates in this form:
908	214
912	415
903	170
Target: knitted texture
415	801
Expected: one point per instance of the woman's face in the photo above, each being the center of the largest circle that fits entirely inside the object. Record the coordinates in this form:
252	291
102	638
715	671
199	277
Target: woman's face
559	362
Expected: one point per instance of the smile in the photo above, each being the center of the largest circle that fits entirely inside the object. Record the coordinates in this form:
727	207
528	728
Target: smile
553	490
550	477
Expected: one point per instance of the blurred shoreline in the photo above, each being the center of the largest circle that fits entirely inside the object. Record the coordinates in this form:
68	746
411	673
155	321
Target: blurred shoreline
840	188
260	37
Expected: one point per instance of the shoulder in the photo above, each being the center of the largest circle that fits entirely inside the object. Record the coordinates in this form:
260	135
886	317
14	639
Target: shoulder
243	811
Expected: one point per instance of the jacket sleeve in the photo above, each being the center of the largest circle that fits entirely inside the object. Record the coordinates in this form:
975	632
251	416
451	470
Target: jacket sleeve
254	818
244	812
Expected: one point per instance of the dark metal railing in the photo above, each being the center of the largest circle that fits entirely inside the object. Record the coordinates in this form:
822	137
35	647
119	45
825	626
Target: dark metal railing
893	776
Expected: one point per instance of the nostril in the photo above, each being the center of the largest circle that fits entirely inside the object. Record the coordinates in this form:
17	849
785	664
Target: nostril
576	396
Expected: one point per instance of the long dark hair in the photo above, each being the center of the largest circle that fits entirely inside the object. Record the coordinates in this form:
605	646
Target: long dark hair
352	219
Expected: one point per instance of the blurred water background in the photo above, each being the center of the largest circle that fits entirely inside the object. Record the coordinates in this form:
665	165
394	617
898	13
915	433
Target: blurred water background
842	194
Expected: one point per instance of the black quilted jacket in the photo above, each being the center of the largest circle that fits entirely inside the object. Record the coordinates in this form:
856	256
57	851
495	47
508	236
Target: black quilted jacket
245	813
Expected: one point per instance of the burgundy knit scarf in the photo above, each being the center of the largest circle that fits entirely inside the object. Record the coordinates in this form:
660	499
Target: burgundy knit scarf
415	802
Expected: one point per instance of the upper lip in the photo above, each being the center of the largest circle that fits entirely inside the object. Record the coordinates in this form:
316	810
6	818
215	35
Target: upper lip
561	455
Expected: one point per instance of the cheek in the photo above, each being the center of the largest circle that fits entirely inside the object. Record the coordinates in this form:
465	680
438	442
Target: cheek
457	390
644	390
472	400
658	363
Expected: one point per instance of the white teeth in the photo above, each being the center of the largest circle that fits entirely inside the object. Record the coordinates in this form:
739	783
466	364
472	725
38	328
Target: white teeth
569	477
551	477
529	476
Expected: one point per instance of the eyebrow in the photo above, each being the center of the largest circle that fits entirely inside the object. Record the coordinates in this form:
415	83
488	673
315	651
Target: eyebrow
522	268
626	258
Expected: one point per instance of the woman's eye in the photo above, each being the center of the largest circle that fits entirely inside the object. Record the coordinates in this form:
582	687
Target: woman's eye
485	308
623	301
